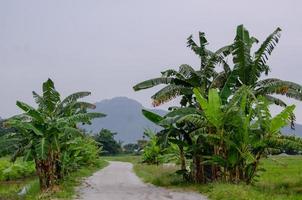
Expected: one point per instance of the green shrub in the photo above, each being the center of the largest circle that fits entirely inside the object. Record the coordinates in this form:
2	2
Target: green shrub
17	170
152	151
81	151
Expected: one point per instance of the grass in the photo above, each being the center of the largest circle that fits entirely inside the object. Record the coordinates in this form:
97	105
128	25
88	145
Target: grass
65	189
124	158
281	180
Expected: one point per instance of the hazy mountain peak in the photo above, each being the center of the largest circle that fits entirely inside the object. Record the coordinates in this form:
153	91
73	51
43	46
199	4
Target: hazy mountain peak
124	116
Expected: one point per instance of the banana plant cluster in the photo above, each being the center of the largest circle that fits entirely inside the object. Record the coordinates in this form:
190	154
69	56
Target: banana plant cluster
47	134
223	123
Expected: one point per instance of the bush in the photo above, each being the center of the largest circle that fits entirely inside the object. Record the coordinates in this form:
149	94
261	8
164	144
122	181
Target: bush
81	151
17	170
152	151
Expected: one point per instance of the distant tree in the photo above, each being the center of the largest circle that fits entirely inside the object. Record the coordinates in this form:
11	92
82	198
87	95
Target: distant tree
131	148
110	146
10	147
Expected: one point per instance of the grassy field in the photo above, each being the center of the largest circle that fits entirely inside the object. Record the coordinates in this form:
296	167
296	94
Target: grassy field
281	180
65	190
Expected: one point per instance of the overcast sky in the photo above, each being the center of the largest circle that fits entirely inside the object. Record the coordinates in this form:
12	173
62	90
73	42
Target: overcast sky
107	46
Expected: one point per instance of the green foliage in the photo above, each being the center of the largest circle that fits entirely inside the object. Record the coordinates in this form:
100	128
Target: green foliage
224	125
16	170
66	188
77	153
105	140
152	150
281	179
8	147
131	148
44	134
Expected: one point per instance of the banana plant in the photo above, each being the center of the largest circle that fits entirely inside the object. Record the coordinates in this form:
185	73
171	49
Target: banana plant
182	82
249	67
240	132
173	133
43	130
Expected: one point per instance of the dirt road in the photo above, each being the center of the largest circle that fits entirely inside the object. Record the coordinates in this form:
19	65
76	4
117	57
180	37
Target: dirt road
118	182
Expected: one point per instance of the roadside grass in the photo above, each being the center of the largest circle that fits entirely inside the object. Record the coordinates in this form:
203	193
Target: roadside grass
124	158
65	190
282	179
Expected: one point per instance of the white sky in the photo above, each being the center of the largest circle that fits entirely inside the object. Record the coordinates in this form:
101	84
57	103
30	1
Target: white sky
106	46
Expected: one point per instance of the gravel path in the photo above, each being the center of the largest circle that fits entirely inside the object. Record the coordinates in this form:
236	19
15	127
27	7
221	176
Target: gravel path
118	182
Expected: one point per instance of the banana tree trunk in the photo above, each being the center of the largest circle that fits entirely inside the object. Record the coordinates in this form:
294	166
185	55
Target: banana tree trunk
182	158
198	170
46	171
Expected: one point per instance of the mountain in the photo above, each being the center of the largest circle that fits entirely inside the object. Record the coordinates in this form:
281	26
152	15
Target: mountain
125	117
288	131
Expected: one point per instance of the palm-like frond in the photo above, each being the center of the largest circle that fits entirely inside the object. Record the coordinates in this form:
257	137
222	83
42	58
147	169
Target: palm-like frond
69	131
218	57
291	93
30	111
277	86
25	126
38	99
79	118
153	117
50	95
195	119
170	92
286	142
171	73
282	119
242	58
74	97
187	71
229	85
199	50
83	105
152	82
241	95
275	100
266	48
75	108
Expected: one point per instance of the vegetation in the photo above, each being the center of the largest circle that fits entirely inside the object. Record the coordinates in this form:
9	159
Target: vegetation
105	139
131	148
221	138
280	179
17	170
49	136
67	185
10	146
223	126
152	151
64	190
